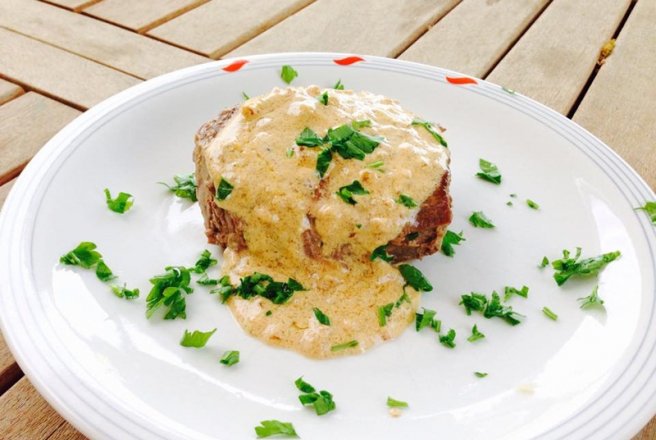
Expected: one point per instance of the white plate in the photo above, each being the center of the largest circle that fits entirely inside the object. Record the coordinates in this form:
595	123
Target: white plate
114	374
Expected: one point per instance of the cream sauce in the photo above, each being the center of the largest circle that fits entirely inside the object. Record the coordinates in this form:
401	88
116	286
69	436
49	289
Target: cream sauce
274	192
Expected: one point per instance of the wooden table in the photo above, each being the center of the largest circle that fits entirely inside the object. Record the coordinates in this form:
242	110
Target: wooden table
60	57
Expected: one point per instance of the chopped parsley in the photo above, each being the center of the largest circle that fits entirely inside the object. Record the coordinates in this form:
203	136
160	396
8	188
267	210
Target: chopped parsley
324	98
479	220
451	239
268	313
321	317
403	298
393	403
263	285
344	346
196	339
322	401
650	209
205	280
230	358
121	203
429	127
288	73
531	204
544	263
479	374
124	292
170	290
476	334
406	201
338	85
567	267
513	195
510	291
489	171
245	96
549	314
377	165
415	278
268	428
203	263
323	161
224	189
103	272
361	124
509	203
185	186
383	313
308	138
289	152
83	255
425	319
226	289
347	192
489	307
381	252
592	300
449	339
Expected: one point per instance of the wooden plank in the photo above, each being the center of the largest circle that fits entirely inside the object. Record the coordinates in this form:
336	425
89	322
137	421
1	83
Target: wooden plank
649	432
10	372
8	91
58	73
66	431
376	27
26	415
75	5
4	192
553	60
491	29
26	123
102	42
141	15
620	105
221	25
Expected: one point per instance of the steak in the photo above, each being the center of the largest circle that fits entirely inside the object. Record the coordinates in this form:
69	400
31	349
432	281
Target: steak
416	240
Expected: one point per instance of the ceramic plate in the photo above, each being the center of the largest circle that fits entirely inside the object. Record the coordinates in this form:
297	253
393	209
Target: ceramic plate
114	374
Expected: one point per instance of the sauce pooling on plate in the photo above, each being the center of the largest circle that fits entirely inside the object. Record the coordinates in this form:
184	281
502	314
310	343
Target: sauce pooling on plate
321	231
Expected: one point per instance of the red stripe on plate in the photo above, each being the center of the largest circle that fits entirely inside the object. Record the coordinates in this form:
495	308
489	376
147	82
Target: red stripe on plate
348	60
233	67
460	80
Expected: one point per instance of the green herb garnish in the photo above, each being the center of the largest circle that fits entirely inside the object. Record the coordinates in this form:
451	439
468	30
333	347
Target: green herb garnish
322	401
510	291
544	263
429	127
415	278
650	209
377	165
245	96
83	255
225	291
263	285
230	358
308	138
323	161
479	374
381	252
347	192
224	189
531	204
288	73
424	319
103	272
338	85
403	298
124	292
344	346
509	203
204	262
448	340
406	201
170	289
383	313
321	317
451	239
205	280
196	339
324	98
490	308
476	335
393	403
549	314
479	220
568	267
513	195
592	300
275	427
185	186
361	124
121	203
489	171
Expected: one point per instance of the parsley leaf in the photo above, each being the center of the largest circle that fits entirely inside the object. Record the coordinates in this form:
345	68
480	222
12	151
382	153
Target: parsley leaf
288	73
544	263
121	203
324	98
322	401
448	340
347	192
196	338
381	252
275	427
83	255
225	291
377	165
531	204
224	189
321	317
338	85
476	335
479	374
103	272
230	358
361	124
383	313
415	278
308	138
451	239
567	267
203	263
592	300
344	346
263	285
479	220
424	319
245	96
169	289
323	161
393	403
489	171
185	186
406	201
490	308
124	292
510	291
429	127
549	314
303	386
650	209
205	280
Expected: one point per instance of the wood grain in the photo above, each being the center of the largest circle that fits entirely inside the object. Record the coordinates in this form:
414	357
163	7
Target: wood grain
620	105
553	60
221	25
26	415
26	123
649	431
94	39
75	5
141	15
10	373
66	431
58	73
8	91
474	35
376	27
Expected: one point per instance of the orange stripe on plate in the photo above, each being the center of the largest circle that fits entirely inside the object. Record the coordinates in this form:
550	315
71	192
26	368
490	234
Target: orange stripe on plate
460	80
233	67
348	60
